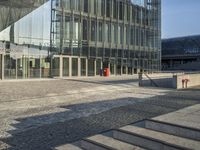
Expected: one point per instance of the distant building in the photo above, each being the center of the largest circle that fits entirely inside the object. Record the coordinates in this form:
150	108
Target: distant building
64	38
181	53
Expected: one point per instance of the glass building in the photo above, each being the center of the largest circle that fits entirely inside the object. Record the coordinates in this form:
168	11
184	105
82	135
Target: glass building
181	53
69	38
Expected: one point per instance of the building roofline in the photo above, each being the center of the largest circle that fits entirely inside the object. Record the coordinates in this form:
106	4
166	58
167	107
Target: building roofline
180	38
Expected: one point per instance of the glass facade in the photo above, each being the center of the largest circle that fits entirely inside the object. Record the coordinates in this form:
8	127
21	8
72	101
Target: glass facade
179	52
63	38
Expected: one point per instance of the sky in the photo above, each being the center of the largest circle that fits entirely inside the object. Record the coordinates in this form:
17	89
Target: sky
180	18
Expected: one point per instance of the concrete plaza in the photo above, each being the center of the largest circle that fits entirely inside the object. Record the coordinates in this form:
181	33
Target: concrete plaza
45	114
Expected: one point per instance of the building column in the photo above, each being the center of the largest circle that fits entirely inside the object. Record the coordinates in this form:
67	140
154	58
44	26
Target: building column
16	76
61	66
86	67
101	64
70	67
109	68
132	70
115	69
79	67
2	67
40	69
95	67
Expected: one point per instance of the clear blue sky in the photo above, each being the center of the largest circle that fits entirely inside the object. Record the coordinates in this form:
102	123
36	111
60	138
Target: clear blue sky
180	18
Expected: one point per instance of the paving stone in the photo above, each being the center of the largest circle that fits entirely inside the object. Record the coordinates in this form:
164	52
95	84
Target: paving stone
45	114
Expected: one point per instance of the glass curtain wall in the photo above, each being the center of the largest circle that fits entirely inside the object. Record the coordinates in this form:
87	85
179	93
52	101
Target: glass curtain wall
105	31
27	44
108	25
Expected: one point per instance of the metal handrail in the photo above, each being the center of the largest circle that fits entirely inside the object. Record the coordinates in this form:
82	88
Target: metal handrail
152	82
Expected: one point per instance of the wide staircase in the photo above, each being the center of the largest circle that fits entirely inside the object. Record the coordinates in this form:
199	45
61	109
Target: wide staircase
148	134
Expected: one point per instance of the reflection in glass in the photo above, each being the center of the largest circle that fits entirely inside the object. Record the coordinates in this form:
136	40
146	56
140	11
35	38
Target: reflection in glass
98	66
56	66
34	67
83	66
65	67
74	66
45	67
124	69
9	67
104	27
112	68
91	67
129	70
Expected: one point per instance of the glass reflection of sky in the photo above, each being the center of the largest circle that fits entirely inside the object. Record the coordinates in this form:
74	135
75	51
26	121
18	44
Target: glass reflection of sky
33	29
138	2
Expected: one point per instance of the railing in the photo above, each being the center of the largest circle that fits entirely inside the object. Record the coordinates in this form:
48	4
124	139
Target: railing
152	82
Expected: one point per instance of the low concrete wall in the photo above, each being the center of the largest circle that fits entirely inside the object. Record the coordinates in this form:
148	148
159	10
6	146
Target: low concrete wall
186	81
178	81
156	80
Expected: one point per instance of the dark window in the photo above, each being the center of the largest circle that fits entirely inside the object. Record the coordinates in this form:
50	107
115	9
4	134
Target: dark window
85	29
85	6
92	52
93	30
121	10
108	8
100	30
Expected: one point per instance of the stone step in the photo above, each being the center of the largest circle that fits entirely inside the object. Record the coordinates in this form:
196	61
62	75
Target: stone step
101	142
68	147
153	139
174	129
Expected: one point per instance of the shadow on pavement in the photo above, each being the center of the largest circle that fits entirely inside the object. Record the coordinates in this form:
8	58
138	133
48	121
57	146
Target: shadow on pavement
51	130
107	82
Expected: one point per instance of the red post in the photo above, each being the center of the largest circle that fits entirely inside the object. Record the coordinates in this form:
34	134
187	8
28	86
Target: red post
106	72
186	82
183	83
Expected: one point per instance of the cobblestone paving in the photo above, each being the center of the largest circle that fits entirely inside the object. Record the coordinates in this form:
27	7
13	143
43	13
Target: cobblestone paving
42	115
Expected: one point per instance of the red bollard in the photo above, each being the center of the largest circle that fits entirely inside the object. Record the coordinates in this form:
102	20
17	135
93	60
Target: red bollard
106	72
183	83
186	82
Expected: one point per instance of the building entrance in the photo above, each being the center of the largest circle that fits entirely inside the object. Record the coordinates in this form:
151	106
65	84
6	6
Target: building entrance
70	66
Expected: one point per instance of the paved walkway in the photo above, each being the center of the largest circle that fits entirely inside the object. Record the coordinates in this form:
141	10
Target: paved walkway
44	114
